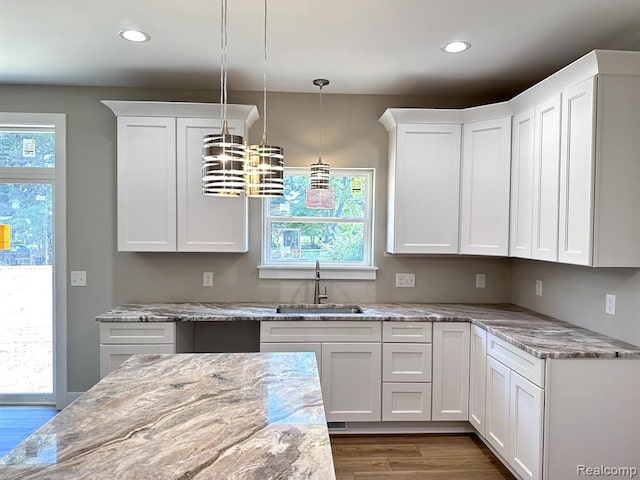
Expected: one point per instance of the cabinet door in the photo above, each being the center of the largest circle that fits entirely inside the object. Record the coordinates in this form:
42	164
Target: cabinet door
424	189
497	416
577	173
406	362
351	381
546	170
484	208
205	223
450	371
409	402
146	184
295	347
525	427
521	185
477	378
112	356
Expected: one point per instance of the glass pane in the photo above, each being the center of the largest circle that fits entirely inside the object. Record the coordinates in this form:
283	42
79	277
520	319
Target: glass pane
304	242
26	280
27	149
350	201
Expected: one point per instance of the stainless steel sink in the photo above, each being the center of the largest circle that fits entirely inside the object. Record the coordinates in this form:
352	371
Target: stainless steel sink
319	309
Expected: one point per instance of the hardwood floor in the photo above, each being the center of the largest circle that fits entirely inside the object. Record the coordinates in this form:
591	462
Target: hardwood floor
17	423
413	457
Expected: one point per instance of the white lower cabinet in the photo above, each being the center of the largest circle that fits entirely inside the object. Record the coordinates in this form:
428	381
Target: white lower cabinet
120	340
477	378
351	381
515	410
497	416
526	402
450	399
406	371
349	357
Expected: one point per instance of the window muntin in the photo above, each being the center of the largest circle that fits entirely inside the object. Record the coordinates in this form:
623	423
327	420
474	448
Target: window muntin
296	235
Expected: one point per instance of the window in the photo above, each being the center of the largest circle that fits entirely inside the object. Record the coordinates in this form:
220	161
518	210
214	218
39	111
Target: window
332	226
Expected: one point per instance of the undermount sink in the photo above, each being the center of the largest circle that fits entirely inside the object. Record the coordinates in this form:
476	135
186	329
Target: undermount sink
319	309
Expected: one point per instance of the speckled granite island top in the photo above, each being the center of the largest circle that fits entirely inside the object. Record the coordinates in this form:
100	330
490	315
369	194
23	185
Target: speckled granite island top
540	335
188	416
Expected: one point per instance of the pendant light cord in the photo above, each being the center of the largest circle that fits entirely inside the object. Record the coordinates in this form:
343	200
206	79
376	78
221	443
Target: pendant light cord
264	80
321	122
223	62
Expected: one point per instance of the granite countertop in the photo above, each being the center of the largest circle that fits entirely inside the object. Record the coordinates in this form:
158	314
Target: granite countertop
540	335
183	416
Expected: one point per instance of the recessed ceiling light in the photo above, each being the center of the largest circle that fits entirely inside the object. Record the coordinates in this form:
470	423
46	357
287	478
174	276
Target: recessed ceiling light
458	46
137	36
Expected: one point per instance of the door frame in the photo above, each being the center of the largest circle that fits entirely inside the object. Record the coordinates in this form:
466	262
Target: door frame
58	180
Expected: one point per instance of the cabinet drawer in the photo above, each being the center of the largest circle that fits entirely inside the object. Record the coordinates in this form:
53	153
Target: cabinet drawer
319	331
112	356
530	367
406	332
137	332
406	362
406	402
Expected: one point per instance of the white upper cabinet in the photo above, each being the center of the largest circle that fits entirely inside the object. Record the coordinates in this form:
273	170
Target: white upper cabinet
576	173
521	220
146	186
600	173
424	179
205	223
161	207
546	168
484	205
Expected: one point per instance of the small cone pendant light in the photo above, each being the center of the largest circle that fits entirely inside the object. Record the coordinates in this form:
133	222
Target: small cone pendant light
320	171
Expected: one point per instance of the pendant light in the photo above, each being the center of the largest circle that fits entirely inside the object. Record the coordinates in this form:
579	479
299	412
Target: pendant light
265	163
223	154
320	171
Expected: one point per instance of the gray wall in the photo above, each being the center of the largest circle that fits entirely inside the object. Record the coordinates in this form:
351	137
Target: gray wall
352	137
577	295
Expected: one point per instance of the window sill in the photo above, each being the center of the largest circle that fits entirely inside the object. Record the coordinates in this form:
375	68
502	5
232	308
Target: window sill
290	272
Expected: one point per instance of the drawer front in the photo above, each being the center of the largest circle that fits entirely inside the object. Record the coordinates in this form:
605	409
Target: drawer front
112	356
530	367
406	332
319	331
406	362
137	332
406	402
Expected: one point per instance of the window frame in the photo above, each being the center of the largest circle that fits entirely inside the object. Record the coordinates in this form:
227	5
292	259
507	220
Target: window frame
364	270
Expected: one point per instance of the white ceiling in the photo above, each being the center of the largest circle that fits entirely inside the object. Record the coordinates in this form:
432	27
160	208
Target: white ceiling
362	46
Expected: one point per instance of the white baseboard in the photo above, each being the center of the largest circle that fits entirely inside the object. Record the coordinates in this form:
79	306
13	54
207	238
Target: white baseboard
402	427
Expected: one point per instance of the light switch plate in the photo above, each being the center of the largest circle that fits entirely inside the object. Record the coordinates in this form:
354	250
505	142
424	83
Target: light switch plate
207	279
480	280
78	278
405	280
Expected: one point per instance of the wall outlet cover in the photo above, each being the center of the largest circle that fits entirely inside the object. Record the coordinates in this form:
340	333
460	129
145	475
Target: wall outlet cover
539	288
207	279
78	278
405	280
610	304
480	280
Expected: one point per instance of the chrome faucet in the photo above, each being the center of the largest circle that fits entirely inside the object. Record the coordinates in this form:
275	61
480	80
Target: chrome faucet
317	296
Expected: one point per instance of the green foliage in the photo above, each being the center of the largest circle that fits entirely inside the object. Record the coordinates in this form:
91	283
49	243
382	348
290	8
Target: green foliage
323	238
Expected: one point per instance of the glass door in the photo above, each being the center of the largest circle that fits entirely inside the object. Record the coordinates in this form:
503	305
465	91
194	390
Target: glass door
27	307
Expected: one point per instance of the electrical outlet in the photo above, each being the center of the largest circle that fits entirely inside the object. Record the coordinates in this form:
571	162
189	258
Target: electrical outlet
480	280
78	278
539	288
405	280
610	304
207	279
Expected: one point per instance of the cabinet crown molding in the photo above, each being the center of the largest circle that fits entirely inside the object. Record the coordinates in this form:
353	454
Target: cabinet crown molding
125	108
